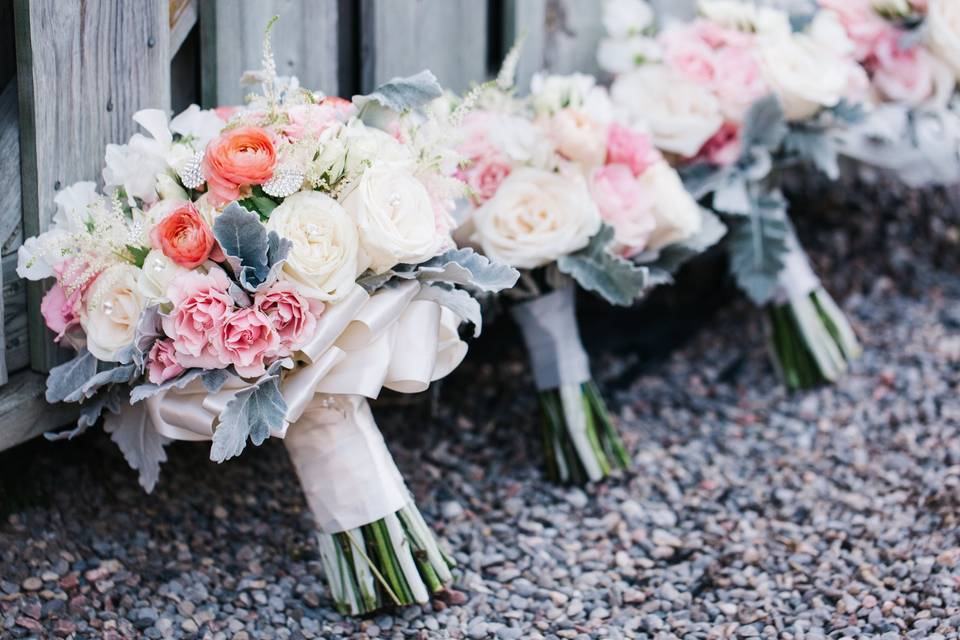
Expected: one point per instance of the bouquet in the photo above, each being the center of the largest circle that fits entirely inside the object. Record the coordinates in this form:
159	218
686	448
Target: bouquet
561	189
262	271
735	99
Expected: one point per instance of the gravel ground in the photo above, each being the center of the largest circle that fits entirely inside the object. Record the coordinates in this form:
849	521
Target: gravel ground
831	514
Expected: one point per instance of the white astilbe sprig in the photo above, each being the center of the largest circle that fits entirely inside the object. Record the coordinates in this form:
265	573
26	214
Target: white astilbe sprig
507	76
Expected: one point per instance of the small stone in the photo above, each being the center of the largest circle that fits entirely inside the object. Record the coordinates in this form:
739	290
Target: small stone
663	538
451	510
577	498
189	626
32	584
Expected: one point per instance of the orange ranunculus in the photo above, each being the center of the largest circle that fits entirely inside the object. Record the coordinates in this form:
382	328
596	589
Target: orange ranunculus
238	157
184	237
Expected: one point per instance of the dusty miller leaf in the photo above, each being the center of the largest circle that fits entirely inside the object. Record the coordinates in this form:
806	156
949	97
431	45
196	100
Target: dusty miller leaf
817	147
141	444
121	374
254	255
109	399
758	248
457	300
617	280
402	94
68	378
764	125
252	413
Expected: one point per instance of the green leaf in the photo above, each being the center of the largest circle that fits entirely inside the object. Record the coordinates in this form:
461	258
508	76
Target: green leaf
617	280
260	203
758	248
139	254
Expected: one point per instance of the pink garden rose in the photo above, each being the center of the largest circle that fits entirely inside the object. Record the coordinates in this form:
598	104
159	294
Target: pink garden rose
61	312
162	362
624	205
201	305
723	149
238	158
484	174
631	148
739	81
865	27
684	50
245	339
309	120
293	317
909	75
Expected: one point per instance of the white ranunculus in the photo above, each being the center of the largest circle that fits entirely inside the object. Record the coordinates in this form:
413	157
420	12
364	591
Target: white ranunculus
678	215
550	93
325	259
156	275
578	136
805	75
622	18
680	115
943	31
395	216
746	17
536	217
620	55
111	311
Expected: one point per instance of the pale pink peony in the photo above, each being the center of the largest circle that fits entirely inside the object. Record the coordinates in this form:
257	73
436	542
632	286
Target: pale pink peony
201	305
624	205
723	148
60	311
293	317
865	27
246	339
631	148
162	362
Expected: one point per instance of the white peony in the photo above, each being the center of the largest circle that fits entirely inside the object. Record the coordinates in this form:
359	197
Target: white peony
111	311
679	114
622	18
536	217
324	262
156	275
395	216
805	75
620	55
943	32
677	213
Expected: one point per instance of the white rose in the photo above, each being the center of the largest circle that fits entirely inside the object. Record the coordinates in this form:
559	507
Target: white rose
551	93
111	311
677	213
578	137
619	55
331	162
804	75
365	144
680	115
324	261
827	29
395	215
156	275
943	31
536	217
623	18
746	17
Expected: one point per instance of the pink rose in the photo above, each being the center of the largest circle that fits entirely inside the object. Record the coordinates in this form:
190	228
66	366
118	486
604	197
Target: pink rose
246	338
863	24
162	362
309	120
717	36
293	317
201	305
628	147
624	205
723	148
905	75
739	81
484	174
684	50
60	311
185	237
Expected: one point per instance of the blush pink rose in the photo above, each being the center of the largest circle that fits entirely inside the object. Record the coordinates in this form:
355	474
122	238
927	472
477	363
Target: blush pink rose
201	305
631	148
246	338
162	362
61	312
293	317
863	24
237	158
624	205
685	51
309	120
483	174
185	237
903	75
723	148
739	81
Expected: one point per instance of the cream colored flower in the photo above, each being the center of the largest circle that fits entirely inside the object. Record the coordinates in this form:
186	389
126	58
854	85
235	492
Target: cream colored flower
943	31
111	311
678	215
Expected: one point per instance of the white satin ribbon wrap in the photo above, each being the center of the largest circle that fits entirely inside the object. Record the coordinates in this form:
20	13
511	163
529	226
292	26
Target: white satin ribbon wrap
549	327
797	280
345	469
364	343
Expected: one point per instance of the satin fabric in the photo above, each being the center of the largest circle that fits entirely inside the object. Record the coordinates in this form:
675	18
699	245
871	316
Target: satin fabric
363	344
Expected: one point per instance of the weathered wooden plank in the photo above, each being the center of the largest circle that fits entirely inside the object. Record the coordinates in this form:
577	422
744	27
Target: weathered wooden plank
83	69
25	414
449	37
674	9
305	41
17	341
561	36
183	17
10	219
